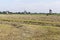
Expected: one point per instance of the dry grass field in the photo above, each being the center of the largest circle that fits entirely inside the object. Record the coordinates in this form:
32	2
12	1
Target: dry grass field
29	27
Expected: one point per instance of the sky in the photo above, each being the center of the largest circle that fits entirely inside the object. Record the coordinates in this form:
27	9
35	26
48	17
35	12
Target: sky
30	5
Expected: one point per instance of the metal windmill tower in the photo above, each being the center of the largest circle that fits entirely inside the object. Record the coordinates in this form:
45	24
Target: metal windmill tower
50	11
25	12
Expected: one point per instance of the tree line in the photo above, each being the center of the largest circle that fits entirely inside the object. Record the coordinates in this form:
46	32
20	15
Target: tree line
25	12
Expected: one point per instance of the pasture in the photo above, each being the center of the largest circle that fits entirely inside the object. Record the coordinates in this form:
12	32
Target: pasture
29	27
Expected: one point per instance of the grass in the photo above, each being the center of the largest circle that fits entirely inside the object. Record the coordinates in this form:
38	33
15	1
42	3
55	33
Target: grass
29	27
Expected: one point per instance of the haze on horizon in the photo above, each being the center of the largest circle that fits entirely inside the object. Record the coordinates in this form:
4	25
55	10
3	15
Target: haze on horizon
30	5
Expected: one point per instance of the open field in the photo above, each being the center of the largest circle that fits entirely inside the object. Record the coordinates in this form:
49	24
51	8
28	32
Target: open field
29	27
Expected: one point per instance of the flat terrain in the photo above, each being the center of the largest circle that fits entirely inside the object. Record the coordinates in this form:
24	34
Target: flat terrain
29	27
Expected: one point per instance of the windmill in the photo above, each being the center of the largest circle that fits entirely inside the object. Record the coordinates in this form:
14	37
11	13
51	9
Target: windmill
7	12
25	12
50	11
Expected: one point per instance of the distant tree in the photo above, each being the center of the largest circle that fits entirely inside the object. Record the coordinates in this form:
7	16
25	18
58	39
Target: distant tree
28	12
22	12
9	12
4	12
18	13
0	12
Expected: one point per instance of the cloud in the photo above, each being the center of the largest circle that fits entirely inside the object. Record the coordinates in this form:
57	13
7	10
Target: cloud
30	5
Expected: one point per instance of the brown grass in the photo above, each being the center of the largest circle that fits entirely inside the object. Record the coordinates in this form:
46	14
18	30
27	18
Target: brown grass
29	27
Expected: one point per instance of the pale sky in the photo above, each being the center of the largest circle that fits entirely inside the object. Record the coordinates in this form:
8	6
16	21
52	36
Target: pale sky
30	5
